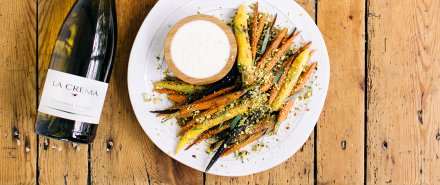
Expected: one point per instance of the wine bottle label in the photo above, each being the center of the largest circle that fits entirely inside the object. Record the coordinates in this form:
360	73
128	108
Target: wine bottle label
72	97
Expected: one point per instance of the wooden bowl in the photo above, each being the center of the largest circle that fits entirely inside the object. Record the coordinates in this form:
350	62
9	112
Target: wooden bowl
201	81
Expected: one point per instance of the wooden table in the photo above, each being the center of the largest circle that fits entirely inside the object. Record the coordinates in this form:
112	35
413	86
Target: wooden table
380	124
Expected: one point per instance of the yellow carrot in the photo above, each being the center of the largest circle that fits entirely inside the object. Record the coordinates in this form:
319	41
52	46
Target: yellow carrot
209	134
178	86
291	80
285	109
244	56
201	116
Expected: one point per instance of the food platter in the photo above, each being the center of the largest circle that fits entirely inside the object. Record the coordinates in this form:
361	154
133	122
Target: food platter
147	65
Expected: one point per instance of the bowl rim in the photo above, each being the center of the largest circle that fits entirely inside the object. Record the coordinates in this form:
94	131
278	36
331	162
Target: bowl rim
208	80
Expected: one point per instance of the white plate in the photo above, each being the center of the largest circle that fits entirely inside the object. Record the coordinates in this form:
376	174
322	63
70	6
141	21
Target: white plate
144	69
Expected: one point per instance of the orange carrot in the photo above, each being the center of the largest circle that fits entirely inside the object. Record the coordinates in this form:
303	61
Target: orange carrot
284	111
178	98
216	94
254	40
306	46
222	100
209	134
280	52
276	87
258	34
274	45
252	77
200	116
284	40
311	53
165	91
303	78
237	146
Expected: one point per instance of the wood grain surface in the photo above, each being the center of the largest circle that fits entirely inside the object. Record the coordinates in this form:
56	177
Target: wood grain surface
340	132
379	126
58	162
404	97
17	88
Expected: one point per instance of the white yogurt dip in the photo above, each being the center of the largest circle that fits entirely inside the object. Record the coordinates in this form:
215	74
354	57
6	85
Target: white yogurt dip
200	49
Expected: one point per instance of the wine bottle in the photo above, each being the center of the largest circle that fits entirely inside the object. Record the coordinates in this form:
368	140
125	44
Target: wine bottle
76	83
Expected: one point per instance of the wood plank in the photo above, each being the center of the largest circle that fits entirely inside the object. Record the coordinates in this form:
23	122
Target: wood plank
340	132
298	169
59	162
122	153
18	143
403	88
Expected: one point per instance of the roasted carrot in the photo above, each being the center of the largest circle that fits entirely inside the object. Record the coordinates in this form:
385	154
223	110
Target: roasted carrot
178	98
182	122
267	122
244	55
258	34
293	75
303	78
276	87
274	45
237	146
228	114
280	52
165	91
209	134
201	116
255	38
216	94
252	118
311	53
260	65
222	100
178	86
286	64
306	46
266	86
267	35
284	111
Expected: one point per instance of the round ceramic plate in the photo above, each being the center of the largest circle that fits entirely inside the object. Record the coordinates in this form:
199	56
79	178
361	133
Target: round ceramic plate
147	65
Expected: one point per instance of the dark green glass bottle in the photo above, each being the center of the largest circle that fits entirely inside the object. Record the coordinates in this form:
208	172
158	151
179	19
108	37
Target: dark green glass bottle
75	87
